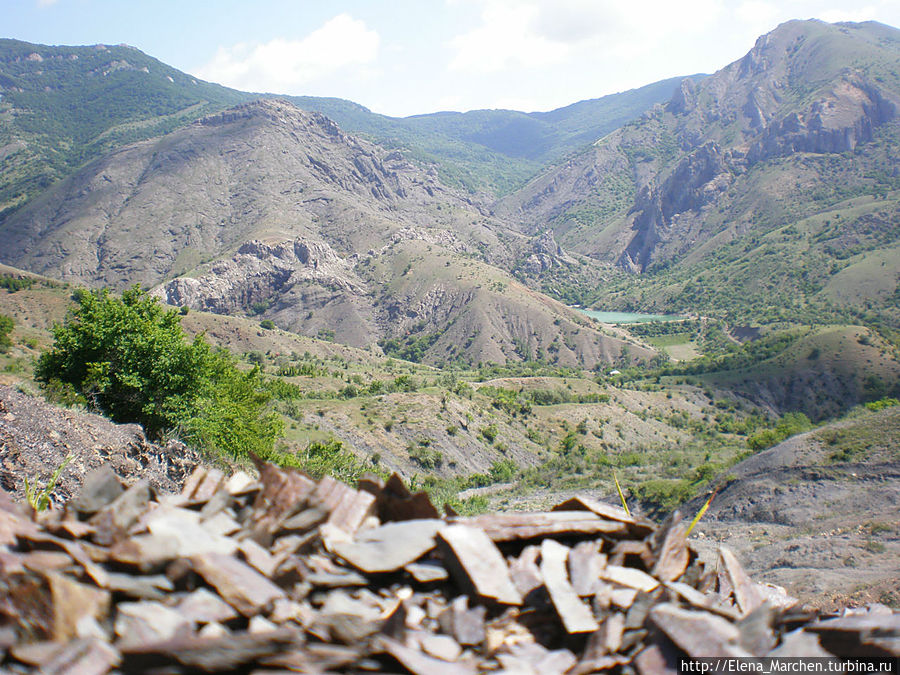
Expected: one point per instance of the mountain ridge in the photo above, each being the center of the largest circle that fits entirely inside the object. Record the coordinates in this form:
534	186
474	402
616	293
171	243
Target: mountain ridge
268	209
806	120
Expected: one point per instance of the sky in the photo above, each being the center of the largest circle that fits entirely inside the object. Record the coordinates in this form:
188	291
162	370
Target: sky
406	57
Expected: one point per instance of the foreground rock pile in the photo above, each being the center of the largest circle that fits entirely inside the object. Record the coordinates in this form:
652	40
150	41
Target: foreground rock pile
286	574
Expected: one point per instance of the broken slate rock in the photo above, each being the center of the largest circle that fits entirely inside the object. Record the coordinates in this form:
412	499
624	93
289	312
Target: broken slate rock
477	565
391	546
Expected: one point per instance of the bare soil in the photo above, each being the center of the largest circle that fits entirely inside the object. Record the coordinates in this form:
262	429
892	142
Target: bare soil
36	437
800	517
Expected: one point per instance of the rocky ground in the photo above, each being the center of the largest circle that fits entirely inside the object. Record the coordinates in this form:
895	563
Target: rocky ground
36	437
819	513
284	574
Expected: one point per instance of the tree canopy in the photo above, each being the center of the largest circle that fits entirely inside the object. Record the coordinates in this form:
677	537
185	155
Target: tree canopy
130	359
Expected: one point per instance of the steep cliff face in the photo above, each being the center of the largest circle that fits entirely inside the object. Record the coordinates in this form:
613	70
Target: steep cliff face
656	189
697	180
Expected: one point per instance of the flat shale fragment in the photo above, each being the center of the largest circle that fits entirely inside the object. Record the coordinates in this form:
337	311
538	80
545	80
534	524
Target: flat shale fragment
576	616
477	564
240	585
391	546
502	527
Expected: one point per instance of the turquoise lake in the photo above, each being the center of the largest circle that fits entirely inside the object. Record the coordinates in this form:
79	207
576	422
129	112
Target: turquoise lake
628	317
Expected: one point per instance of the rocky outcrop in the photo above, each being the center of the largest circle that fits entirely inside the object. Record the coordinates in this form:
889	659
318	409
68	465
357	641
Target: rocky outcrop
839	122
259	272
696	181
545	255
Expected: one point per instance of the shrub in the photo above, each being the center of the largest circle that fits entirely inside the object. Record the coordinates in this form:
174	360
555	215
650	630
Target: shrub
490	432
13	284
6	326
881	404
330	458
129	358
503	470
427	458
792	423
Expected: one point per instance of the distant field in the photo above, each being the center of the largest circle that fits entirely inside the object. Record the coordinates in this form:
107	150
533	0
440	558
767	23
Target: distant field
685	351
663	341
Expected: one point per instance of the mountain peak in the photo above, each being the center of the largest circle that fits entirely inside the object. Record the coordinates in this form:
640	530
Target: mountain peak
276	111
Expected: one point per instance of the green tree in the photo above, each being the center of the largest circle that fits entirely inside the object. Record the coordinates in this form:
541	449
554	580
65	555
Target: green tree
130	359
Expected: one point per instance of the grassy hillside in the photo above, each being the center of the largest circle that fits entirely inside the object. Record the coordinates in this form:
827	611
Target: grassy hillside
62	106
520	433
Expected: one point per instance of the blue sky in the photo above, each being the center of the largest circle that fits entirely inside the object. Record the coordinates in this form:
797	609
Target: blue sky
406	57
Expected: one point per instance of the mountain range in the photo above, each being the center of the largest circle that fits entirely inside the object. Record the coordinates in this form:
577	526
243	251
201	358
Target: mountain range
764	194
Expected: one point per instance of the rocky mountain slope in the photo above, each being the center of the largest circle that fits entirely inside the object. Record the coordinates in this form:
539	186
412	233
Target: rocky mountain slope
495	150
61	106
800	133
270	210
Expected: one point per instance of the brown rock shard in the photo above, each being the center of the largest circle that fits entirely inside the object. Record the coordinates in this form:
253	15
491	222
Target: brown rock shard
733	580
348	507
477	565
202	606
140	623
74	602
586	564
502	527
394	501
576	617
89	656
391	546
463	623
629	577
669	548
699	634
419	664
241	586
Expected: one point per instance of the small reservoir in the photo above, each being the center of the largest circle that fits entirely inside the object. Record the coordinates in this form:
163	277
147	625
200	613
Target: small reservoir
628	317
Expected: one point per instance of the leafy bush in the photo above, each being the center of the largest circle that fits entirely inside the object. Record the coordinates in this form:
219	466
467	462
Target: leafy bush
13	283
427	458
6	326
330	458
881	404
129	358
490	432
666	494
792	423
503	470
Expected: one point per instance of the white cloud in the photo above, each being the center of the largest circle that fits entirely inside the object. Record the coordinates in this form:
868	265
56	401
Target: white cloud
545	33
45	3
866	13
286	66
505	40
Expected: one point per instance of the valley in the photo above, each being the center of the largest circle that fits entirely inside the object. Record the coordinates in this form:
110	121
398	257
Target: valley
678	289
